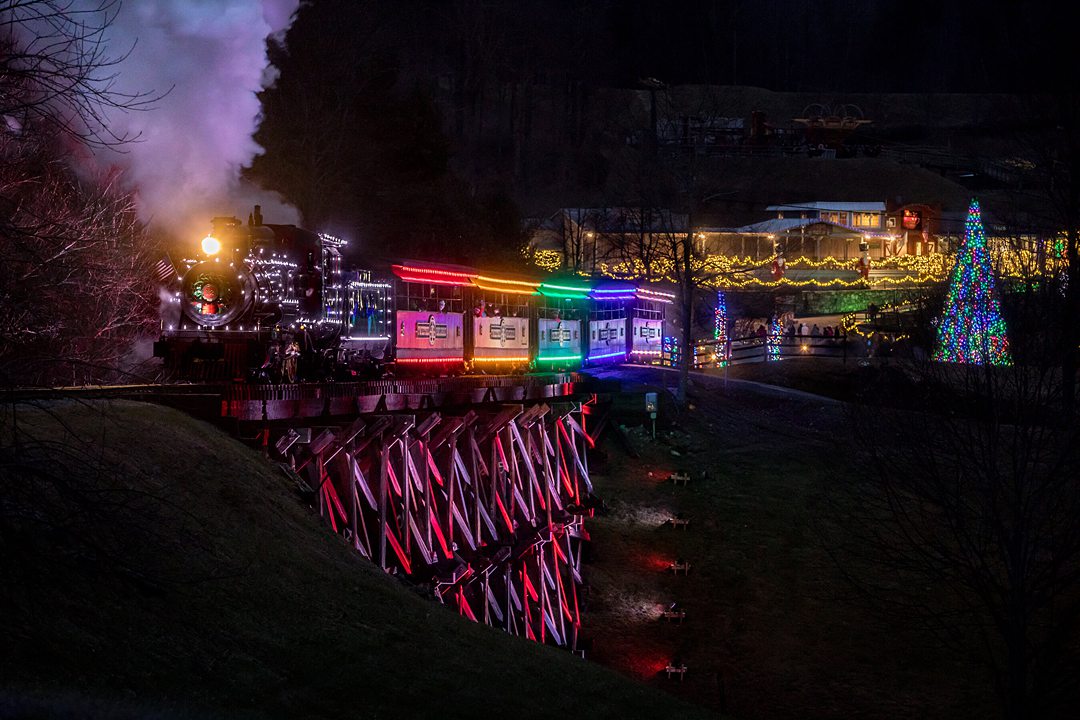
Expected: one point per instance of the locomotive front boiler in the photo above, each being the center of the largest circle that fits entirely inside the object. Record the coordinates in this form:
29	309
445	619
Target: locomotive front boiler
246	293
214	294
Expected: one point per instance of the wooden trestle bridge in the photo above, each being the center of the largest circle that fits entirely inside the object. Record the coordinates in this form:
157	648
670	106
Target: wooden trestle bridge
477	487
486	507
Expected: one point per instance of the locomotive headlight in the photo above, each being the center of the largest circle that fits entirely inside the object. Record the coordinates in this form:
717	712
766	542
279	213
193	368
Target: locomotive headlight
211	245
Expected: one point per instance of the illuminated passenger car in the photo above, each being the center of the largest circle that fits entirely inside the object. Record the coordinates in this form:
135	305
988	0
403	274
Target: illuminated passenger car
499	331
647	324
429	328
608	338
559	311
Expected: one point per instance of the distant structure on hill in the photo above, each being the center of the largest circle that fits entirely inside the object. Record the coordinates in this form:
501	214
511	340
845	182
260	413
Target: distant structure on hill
587	239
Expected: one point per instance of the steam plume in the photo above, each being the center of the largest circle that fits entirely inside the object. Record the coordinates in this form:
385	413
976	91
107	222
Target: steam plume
210	55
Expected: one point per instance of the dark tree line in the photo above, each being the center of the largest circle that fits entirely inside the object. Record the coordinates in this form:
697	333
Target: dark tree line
418	124
356	142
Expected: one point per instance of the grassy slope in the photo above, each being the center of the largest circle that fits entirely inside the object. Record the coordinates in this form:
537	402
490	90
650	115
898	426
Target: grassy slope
772	631
829	377
259	611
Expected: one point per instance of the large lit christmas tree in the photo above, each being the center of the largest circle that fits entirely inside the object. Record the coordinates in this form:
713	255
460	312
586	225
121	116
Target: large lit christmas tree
972	330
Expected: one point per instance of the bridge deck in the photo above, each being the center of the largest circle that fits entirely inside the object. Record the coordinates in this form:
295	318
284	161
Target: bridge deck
279	402
305	400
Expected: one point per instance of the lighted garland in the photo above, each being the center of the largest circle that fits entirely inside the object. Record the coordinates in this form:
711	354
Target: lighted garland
548	260
732	273
736	272
212	294
972	330
850	325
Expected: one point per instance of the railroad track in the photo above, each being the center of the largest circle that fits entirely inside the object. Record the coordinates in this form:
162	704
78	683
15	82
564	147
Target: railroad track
245	402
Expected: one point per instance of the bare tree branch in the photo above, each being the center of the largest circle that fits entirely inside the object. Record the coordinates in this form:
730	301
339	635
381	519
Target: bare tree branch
57	74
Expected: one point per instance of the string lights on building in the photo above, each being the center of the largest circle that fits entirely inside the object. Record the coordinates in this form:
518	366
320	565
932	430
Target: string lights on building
1012	257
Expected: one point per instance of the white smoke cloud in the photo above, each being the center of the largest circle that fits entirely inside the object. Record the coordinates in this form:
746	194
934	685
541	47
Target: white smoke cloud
210	55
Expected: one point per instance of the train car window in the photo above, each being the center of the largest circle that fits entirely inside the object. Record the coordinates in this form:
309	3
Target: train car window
370	307
607	310
490	303
552	308
648	309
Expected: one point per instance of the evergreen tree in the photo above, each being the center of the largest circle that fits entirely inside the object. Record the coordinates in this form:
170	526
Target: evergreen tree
972	330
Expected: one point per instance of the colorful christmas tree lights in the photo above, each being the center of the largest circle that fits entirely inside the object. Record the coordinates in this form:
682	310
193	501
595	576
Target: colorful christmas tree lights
720	329
972	330
720	318
775	339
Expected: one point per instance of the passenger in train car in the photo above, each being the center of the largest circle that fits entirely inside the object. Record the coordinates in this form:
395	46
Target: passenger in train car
271	369
292	357
369	312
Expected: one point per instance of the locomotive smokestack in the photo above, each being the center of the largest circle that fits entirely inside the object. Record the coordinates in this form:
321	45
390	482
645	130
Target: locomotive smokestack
258	215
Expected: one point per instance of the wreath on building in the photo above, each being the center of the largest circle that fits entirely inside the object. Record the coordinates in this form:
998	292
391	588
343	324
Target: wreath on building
211	295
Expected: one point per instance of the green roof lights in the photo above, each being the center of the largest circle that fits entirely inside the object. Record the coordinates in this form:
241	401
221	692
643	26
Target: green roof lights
559	358
567	291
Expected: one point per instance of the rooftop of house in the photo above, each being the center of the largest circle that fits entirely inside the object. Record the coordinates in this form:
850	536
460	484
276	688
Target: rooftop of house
862	207
778	226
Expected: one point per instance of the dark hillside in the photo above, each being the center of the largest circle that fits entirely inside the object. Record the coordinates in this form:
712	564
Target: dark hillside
153	567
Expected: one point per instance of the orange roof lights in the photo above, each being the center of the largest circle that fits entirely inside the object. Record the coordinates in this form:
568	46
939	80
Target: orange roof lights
462	276
433	274
505	285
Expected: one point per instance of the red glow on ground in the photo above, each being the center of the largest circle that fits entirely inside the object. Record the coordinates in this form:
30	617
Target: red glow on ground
653	560
647	664
661	474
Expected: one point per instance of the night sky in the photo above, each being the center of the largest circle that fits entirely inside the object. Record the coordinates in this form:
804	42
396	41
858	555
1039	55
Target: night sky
796	45
844	45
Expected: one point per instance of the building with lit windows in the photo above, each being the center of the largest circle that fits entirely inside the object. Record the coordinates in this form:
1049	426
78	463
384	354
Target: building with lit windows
841	230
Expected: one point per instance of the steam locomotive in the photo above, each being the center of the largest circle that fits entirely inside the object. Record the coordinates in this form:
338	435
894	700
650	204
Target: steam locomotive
256	293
